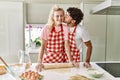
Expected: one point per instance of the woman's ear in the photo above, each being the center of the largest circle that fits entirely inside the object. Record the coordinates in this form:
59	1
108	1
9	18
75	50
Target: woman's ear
73	21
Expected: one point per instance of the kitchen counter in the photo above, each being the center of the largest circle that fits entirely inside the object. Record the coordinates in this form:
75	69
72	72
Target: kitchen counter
60	75
65	73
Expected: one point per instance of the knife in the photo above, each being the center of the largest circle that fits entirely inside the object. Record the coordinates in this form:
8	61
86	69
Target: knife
10	70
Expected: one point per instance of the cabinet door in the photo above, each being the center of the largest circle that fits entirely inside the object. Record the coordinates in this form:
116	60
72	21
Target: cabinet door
38	13
11	30
96	25
113	38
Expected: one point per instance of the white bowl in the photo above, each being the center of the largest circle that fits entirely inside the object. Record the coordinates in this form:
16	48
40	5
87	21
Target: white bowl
95	73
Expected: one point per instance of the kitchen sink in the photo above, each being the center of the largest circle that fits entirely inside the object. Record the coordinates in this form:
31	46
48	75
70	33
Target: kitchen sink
112	68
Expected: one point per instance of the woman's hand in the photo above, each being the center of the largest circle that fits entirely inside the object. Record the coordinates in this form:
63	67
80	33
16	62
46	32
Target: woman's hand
87	64
39	67
75	64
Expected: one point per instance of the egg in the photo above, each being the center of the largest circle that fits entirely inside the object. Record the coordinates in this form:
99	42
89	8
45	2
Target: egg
30	75
33	77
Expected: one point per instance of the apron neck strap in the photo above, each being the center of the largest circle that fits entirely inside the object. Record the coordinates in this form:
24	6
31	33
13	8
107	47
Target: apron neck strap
53	29
74	29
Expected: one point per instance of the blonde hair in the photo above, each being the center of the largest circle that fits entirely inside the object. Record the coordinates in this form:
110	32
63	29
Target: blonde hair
51	21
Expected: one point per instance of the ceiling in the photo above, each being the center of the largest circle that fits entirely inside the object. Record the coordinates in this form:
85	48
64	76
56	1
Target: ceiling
57	1
64	1
93	1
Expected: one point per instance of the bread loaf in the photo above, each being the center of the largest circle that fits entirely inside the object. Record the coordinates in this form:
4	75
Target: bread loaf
2	69
57	65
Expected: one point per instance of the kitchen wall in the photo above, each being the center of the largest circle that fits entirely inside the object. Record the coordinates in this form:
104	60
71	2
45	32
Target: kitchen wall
36	15
11	30
103	29
96	25
113	38
104	33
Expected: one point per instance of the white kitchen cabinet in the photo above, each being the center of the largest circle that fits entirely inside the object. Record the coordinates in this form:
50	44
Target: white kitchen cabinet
11	30
96	26
113	38
104	33
37	13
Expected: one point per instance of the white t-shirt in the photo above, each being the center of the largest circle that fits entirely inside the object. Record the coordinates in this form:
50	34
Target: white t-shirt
81	35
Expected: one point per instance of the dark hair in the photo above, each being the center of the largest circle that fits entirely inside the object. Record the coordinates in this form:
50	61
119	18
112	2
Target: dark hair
76	14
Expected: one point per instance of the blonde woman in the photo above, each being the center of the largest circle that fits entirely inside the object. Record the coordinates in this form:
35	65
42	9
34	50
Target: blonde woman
54	40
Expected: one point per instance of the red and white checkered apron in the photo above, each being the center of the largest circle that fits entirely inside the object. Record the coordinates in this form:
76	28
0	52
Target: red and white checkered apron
75	53
55	47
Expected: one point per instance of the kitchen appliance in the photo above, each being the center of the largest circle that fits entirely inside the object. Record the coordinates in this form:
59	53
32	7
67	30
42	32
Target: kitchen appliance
112	67
110	7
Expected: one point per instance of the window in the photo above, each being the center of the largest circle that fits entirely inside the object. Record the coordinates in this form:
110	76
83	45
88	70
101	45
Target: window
32	33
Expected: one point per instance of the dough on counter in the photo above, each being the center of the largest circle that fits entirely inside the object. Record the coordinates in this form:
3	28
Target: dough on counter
79	77
2	69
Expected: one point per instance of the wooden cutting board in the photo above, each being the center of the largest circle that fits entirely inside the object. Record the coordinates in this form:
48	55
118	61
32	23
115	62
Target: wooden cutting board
57	65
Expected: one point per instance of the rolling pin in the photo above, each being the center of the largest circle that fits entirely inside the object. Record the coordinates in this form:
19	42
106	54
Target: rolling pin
57	65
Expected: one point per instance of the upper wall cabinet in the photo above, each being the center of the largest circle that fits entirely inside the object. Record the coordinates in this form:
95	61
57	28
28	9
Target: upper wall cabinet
11	30
37	13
